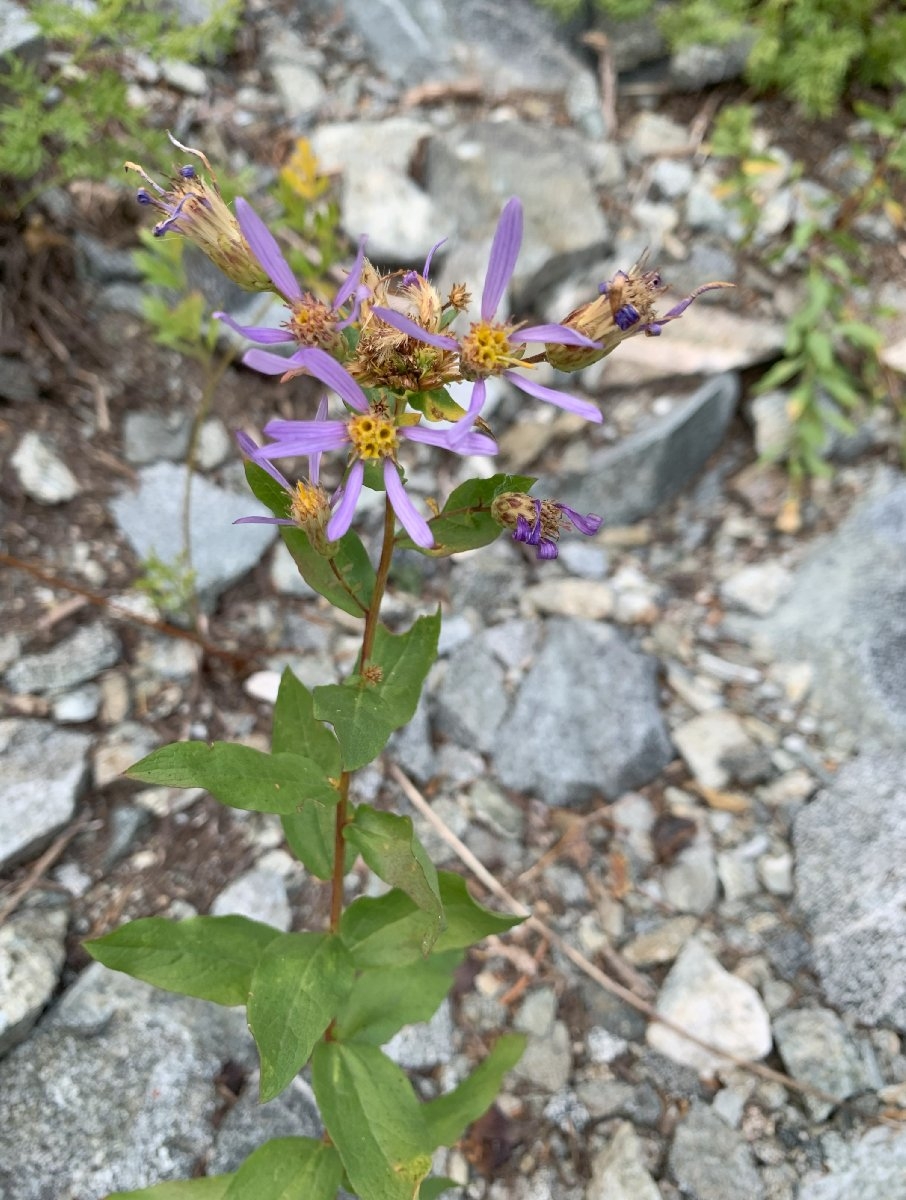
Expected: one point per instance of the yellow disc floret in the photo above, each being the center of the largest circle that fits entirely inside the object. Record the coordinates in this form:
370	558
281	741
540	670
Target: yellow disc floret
373	436
309	503
487	350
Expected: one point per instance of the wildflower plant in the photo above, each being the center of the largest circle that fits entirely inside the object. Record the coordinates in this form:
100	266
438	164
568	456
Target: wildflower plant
385	349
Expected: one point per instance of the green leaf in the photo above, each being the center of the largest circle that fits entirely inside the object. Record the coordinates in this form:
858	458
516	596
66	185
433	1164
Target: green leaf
388	930
297	731
436	1186
212	958
449	1116
373	1118
390	848
465	521
383	1000
290	1168
213	1188
781	371
299	983
346	579
239	776
364	712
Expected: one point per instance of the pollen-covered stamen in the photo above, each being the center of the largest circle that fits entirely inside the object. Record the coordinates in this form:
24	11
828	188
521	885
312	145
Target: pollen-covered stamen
487	350
313	323
373	436
309	503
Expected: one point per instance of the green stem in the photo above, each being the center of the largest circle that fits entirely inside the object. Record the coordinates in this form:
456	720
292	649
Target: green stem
368	635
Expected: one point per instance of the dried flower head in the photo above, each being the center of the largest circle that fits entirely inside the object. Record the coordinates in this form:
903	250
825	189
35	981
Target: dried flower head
539	523
624	308
193	206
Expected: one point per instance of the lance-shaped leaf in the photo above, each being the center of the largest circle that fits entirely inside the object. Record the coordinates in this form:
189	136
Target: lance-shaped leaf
390	848
346	579
365	710
310	833
373	1118
388	930
449	1115
213	1188
385	999
465	521
436	1186
290	1168
212	958
239	776
300	982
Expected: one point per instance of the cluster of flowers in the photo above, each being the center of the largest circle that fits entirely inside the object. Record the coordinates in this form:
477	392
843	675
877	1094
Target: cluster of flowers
385	346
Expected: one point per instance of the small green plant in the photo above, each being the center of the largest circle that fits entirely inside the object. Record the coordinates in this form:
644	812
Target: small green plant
831	351
811	50
169	585
71	117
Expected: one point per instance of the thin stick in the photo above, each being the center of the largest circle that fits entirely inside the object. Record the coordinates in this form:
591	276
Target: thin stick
579	960
40	865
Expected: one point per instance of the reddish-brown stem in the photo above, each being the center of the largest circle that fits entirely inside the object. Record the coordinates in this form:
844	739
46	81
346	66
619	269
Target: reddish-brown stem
339	855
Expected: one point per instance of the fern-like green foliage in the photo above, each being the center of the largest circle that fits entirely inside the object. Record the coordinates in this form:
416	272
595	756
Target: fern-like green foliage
811	50
76	120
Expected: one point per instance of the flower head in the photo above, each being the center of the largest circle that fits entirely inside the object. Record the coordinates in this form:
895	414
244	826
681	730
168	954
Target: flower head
311	322
624	308
493	347
372	433
539	523
193	206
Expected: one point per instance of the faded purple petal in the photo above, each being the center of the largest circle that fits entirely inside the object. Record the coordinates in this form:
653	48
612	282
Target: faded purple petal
546	549
414	330
264	247
256	333
502	261
351	282
342	516
582	408
263	520
562	335
472	443
410	518
524	532
314	459
588	525
251	450
679	309
461	429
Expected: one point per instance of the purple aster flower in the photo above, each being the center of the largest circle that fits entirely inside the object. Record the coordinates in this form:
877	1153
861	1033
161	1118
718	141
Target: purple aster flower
311	322
539	523
492	347
372	433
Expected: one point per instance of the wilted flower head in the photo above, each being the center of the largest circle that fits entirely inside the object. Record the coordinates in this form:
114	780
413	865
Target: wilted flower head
311	322
193	206
539	523
624	308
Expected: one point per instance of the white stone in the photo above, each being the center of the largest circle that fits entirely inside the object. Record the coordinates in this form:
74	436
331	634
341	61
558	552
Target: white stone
263	685
42	473
259	895
757	588
776	873
586	598
31	958
701	997
709	739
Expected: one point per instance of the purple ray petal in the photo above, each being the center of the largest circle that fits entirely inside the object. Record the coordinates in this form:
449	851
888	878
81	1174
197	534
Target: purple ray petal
502	262
414	330
319	363
472	443
349	498
546	549
582	408
351	282
314	459
251	449
464	425
263	521
434	249
265	249
410	518
302	437
267	363
256	333
588	525
562	335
